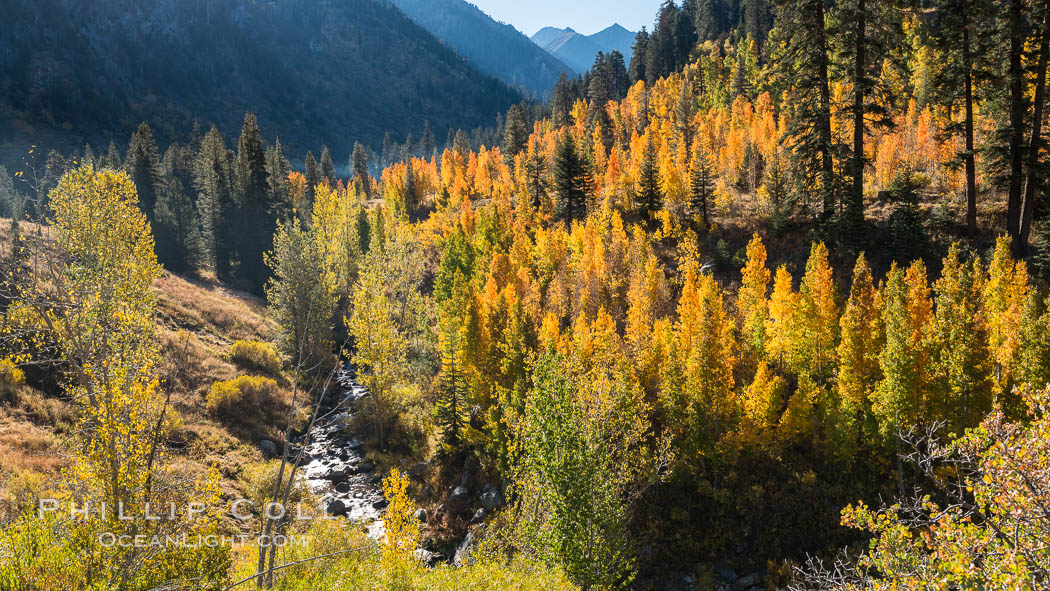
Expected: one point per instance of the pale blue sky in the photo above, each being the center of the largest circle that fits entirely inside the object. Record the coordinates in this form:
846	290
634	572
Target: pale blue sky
585	16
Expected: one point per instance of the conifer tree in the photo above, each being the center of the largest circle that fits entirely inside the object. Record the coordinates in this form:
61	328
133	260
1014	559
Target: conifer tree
684	111
359	167
801	63
312	173
515	134
701	183
561	100
179	244
864	31
535	175
648	197
112	159
143	165
427	142
636	71
460	144
254	233
214	183
450	408
572	180
277	169
956	30
327	169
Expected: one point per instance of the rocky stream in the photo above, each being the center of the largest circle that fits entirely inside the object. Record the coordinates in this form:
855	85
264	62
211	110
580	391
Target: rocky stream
334	464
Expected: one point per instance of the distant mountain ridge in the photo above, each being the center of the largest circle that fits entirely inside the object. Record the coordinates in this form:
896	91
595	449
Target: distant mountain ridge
325	71
578	50
496	48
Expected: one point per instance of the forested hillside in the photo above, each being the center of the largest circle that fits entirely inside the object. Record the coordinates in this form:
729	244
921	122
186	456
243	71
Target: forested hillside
765	307
497	49
315	73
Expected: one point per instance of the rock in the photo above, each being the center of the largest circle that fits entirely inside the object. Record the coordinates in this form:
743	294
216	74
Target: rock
342	487
725	573
336	474
479	516
380	504
747	581
464	551
366	467
268	447
491	500
476	420
336	507
420	515
355	444
430	559
417	471
458	500
343	455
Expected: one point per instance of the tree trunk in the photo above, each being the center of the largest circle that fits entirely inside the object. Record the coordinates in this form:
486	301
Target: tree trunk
1020	245
971	167
855	208
1017	108
824	124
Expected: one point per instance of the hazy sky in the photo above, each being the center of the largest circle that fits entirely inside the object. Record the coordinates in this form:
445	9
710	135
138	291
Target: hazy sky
585	16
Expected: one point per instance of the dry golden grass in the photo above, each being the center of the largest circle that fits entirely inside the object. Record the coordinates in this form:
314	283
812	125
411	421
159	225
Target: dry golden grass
25	446
214	313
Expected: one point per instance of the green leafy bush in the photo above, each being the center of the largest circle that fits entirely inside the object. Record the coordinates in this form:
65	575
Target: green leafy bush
256	355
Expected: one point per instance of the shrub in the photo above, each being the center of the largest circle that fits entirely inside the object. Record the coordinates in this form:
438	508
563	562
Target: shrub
260	479
230	398
256	355
11	378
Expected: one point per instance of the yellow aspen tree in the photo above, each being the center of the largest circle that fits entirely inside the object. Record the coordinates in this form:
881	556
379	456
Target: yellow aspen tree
763	398
752	299
800	423
401	528
93	290
380	347
858	355
781	325
899	399
1004	295
705	336
818	317
1032	359
962	369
